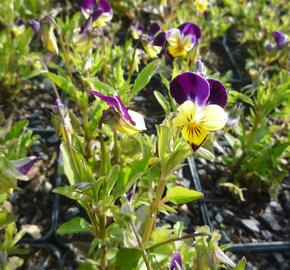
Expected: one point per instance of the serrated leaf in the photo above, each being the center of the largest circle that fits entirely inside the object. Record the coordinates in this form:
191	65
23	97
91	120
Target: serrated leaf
71	193
75	225
181	195
144	77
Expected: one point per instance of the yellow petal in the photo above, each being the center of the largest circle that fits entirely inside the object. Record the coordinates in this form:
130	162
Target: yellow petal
186	112
177	50
212	117
194	134
174	38
103	19
152	51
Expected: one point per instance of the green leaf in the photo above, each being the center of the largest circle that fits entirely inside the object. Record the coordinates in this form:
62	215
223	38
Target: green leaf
68	166
241	265
144	77
164	103
75	225
62	82
71	193
181	195
13	263
127	258
113	177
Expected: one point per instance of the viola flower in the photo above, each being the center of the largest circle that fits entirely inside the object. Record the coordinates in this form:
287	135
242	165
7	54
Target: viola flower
176	262
97	15
201	110
137	30
45	29
183	38
154	42
201	5
124	120
27	166
280	39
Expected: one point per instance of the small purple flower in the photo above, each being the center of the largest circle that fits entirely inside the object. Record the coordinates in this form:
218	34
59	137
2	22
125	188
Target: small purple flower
101	14
27	166
154	41
129	122
131	193
183	38
201	110
176	262
35	25
280	39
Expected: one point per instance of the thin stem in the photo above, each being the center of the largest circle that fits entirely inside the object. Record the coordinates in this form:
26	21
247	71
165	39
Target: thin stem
139	241
65	133
187	236
154	209
89	153
65	51
103	257
132	62
116	148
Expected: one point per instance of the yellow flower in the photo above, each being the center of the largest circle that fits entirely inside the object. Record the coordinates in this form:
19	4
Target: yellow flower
201	5
197	122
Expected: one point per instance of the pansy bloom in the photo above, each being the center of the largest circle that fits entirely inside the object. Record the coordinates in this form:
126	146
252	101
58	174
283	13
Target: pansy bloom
45	28
280	39
96	14
183	38
124	120
201	110
154	42
201	5
176	262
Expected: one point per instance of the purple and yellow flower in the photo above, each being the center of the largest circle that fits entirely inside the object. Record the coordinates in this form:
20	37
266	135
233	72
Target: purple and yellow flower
183	39
45	28
280	39
137	30
97	15
154	42
124	120
176	262
201	110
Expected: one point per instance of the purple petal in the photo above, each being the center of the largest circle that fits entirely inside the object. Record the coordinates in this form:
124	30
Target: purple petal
159	40
190	85
35	25
87	4
176	259
25	165
218	94
154	28
280	38
111	101
104	6
131	193
88	24
189	28
124	110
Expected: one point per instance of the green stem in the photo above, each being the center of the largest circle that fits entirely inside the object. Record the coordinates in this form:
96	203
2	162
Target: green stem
89	153
154	209
139	241
132	62
65	51
184	237
115	149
